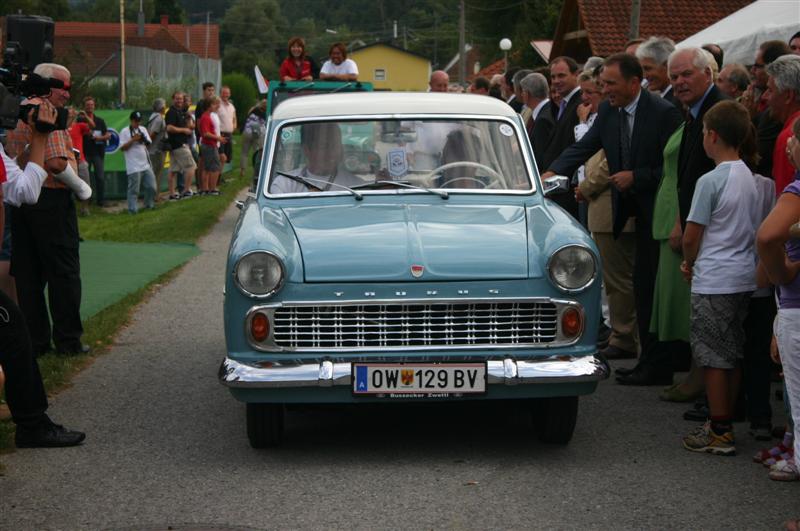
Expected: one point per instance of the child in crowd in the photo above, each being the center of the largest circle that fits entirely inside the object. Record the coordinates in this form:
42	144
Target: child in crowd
719	261
779	250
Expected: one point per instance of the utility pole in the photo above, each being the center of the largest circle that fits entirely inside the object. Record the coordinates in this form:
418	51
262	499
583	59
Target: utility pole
462	58
635	8
208	30
122	95
435	40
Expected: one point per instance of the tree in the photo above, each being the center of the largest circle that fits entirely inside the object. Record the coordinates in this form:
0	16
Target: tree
55	9
171	8
249	36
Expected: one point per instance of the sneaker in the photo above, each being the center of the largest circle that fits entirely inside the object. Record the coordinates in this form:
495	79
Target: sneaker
784	470
213	192
187	193
703	439
174	197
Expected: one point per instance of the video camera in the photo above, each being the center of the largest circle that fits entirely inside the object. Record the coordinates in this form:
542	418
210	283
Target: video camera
29	41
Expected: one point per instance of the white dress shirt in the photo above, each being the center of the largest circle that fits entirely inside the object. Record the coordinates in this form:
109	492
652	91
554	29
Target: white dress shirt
22	186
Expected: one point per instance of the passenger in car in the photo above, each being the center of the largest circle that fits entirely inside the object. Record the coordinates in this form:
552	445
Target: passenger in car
322	148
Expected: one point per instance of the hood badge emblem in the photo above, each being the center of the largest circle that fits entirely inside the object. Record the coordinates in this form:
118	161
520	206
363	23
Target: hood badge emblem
417	270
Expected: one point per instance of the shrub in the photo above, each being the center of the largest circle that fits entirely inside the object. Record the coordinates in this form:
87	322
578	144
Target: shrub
244	93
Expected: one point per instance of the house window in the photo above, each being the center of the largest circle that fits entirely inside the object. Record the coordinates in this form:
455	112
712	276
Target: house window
379	75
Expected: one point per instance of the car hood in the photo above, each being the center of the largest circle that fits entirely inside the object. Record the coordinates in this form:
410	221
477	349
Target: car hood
381	242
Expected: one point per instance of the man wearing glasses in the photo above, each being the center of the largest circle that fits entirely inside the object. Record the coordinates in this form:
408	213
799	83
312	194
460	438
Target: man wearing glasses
754	98
44	238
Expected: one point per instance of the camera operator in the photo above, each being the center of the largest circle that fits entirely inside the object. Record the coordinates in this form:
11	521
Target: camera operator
24	389
44	238
133	142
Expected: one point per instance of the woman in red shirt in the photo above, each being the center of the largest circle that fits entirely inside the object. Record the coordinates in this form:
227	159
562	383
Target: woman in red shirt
296	67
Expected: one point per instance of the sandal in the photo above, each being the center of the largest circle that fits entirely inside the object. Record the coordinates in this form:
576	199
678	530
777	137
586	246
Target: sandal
784	471
788	454
781	448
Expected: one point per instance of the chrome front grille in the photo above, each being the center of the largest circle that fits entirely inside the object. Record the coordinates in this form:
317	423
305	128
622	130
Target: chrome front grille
417	325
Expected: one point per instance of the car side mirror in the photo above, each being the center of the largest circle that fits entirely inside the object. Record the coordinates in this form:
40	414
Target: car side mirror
557	184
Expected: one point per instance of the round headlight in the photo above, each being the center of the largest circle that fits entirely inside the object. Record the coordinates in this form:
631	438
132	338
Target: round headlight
259	274
572	268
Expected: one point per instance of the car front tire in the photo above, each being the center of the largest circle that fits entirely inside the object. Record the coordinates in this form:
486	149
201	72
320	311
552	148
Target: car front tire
554	418
265	424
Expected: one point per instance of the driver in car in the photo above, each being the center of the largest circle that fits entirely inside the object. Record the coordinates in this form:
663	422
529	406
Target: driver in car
460	146
321	143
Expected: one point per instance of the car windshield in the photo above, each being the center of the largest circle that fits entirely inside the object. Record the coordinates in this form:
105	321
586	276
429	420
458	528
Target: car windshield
392	154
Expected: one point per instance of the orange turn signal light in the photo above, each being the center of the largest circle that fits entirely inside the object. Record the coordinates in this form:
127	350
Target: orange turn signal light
571	322
259	326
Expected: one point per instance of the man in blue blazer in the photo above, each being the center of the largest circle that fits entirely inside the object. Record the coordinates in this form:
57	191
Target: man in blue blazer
632	126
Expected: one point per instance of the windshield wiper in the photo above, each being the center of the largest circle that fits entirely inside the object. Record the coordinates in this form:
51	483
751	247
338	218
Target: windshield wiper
443	195
309	181
347	85
303	87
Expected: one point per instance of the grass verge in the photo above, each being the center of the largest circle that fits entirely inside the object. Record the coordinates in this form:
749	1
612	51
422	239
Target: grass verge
182	221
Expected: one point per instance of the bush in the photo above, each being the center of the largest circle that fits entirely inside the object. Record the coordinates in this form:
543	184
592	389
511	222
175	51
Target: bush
244	93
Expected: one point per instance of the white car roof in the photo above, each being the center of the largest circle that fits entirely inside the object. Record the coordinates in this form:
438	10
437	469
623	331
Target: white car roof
372	103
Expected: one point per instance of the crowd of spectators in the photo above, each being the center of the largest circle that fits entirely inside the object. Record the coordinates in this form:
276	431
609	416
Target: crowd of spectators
685	169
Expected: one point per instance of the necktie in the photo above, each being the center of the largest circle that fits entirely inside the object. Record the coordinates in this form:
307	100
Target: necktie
561	107
624	140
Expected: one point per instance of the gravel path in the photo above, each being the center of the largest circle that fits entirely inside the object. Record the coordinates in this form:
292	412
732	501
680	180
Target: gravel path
166	446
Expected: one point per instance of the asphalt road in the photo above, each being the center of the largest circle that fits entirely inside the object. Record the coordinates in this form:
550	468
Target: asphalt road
166	446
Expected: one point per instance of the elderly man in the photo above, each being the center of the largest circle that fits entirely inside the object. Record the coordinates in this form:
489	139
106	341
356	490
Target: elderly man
24	390
521	73
653	54
45	239
733	80
439	81
535	92
783	101
690	73
632	126
755	99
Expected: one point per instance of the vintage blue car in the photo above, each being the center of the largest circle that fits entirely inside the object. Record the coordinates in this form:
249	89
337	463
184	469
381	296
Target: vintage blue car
399	247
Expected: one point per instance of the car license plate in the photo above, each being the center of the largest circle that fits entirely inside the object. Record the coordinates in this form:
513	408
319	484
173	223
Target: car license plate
419	380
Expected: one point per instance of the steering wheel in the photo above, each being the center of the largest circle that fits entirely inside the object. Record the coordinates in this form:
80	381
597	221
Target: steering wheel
467	164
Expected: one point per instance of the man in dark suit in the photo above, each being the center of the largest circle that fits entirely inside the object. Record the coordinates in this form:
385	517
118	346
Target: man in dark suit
694	87
564	79
691	78
632	126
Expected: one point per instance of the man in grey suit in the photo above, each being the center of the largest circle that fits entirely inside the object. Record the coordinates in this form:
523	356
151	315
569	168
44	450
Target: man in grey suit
632	126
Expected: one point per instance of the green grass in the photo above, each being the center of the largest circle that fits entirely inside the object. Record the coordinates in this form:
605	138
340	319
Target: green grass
183	221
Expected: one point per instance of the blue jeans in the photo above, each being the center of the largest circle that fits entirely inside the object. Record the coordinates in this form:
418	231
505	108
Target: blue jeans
146	178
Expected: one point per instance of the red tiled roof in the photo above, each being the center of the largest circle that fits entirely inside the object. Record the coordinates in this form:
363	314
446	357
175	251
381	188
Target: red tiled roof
607	21
498	67
192	38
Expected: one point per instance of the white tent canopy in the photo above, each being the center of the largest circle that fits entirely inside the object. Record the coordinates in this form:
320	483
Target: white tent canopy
740	33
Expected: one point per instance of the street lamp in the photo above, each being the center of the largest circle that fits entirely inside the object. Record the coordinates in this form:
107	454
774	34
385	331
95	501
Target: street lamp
505	45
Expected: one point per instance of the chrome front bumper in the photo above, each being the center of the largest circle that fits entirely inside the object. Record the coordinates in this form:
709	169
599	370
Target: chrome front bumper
550	370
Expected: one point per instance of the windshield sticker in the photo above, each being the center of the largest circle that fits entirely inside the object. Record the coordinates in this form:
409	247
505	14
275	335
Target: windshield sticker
506	129
398	165
286	135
